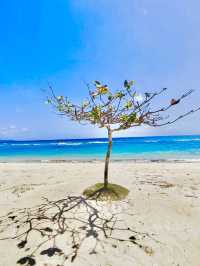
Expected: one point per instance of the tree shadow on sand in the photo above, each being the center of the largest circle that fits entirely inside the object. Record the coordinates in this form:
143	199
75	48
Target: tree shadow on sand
62	228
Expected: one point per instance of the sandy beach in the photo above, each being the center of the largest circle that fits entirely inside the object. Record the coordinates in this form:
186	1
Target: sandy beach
163	207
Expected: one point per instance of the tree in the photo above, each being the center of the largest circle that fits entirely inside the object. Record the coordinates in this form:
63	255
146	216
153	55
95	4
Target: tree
117	110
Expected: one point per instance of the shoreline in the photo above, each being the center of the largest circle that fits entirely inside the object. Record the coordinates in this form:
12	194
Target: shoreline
100	160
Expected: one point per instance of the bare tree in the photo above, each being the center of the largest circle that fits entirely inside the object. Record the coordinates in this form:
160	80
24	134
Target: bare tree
117	110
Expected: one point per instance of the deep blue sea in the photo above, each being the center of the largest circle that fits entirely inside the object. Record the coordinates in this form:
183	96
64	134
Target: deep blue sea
145	148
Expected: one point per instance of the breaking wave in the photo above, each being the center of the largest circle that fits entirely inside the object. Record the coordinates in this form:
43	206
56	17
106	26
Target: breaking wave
96	142
187	140
68	143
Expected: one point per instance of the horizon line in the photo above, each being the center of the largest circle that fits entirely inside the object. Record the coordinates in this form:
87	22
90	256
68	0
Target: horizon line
71	139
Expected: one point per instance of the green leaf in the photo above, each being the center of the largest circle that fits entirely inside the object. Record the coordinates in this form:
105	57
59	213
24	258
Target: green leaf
60	108
128	84
123	118
125	83
59	98
119	94
49	101
128	104
96	82
95	113
110	97
102	90
132	118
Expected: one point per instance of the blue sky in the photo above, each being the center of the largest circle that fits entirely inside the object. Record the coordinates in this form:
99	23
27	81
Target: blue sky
68	42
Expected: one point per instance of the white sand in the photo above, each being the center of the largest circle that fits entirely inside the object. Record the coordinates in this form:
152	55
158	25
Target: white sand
171	214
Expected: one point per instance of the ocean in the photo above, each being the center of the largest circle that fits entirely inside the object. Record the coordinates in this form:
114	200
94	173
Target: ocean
139	148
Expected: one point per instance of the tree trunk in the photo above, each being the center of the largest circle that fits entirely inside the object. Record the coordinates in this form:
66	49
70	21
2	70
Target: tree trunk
107	159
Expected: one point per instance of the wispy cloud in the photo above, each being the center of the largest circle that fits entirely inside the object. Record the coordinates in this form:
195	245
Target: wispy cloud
12	131
11	127
24	129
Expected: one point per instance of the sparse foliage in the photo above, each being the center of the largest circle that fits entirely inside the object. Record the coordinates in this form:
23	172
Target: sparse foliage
118	110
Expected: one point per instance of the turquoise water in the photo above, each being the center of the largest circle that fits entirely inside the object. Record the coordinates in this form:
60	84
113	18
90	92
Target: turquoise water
149	148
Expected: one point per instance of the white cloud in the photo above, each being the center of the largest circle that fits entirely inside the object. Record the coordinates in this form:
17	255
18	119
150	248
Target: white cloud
3	133
12	131
24	129
12	127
